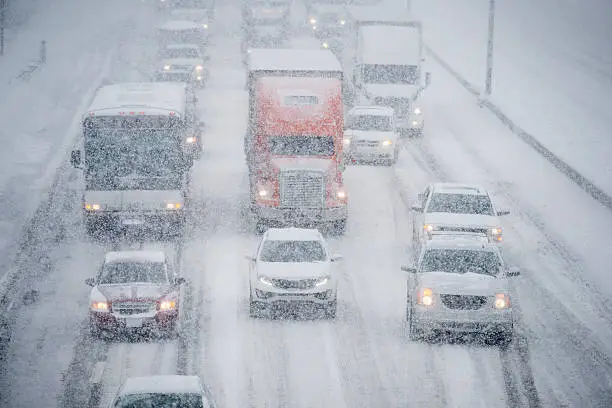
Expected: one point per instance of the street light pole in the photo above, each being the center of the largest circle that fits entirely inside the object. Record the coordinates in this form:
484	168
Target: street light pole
2	20
489	73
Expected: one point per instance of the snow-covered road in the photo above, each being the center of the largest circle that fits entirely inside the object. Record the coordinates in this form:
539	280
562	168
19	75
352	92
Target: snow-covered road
556	233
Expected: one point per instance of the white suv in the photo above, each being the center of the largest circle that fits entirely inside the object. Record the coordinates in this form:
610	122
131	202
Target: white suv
454	207
293	265
460	283
370	134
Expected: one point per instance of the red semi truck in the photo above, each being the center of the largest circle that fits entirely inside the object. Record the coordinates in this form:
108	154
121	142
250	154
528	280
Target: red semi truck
294	141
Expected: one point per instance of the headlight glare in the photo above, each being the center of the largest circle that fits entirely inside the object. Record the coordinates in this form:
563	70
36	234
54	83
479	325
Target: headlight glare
387	143
100	306
199	67
173	206
425	297
167	67
265	280
313	20
502	301
417	111
93	207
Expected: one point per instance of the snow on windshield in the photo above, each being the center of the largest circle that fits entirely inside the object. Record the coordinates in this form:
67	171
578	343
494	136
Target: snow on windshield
292	251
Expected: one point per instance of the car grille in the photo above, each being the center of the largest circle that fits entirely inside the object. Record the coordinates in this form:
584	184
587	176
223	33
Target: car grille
294	284
182	67
463	302
132	308
446	228
367	143
302	189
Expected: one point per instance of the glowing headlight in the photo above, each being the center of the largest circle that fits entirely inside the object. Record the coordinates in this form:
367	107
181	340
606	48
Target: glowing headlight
191	139
341	194
428	227
173	206
346	141
199	78
167	304
502	301
314	27
205	25
496	234
167	67
199	67
265	280
425	297
323	281
263	192
417	111
313	20
100	306
325	45
93	207
342	22
387	143
415	123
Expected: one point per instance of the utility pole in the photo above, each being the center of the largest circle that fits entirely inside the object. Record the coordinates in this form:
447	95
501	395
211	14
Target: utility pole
2	21
489	73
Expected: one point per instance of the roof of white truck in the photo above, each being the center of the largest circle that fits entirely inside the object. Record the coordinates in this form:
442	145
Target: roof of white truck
293	60
390	45
142	95
394	15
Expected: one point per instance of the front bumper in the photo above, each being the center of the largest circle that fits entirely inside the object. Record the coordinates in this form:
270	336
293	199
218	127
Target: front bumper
484	320
113	322
118	220
359	149
301	215
269	294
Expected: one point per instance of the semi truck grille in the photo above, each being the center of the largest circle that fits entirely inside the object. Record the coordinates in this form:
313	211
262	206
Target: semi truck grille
294	284
463	302
132	308
477	230
302	189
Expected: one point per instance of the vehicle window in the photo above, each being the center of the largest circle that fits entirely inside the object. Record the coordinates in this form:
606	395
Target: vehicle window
460	204
160	401
180	53
301	145
461	261
370	122
133	272
292	251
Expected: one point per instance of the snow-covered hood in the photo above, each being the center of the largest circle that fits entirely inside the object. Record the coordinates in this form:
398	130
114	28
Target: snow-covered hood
471	284
293	270
370	135
190	62
130	200
467	220
303	163
137	291
391	90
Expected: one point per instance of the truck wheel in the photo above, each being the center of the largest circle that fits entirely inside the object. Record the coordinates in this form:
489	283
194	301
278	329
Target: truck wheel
415	333
92	227
330	309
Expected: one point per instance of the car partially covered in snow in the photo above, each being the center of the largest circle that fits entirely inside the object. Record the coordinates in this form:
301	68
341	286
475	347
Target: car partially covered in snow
370	135
134	290
460	283
455	207
199	16
183	63
182	32
185	391
293	265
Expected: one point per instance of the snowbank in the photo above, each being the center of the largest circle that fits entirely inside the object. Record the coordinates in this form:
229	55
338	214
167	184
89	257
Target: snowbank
552	69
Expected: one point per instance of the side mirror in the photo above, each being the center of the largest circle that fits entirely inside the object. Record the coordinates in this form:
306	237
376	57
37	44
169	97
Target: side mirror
90	282
427	79
336	258
417	208
513	272
75	158
408	268
179	281
250	258
503	212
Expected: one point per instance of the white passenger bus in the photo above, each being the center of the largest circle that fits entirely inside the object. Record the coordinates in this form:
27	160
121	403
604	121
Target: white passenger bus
137	156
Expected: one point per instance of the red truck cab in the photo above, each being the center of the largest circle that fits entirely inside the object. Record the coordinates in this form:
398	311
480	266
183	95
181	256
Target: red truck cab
295	138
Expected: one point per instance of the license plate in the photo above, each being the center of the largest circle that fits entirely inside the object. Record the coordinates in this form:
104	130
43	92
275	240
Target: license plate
132	221
133	322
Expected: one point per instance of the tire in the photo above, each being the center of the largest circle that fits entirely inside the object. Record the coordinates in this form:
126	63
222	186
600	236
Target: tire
414	332
504	339
331	309
256	309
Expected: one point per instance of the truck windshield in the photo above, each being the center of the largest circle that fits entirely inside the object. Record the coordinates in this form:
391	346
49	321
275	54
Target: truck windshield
390	74
301	145
378	123
461	261
134	160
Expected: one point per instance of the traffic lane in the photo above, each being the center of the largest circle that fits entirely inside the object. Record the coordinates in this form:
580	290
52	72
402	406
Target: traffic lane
378	242
553	291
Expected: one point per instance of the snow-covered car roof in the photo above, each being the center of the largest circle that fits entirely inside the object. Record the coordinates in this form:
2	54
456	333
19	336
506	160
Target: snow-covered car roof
371	110
180	384
293	234
293	60
141	96
458	188
179	25
135	256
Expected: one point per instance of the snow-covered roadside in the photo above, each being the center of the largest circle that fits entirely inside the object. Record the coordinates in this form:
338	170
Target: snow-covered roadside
552	69
40	117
